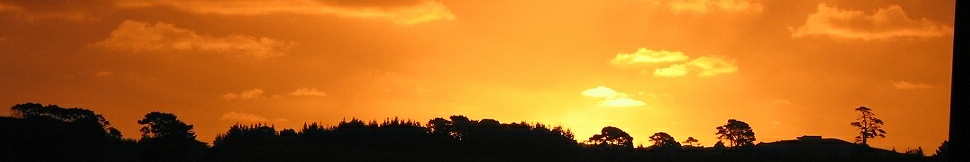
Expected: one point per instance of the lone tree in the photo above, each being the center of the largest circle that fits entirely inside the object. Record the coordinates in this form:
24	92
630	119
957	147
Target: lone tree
737	132
869	126
691	141
664	141
165	126
612	136
169	139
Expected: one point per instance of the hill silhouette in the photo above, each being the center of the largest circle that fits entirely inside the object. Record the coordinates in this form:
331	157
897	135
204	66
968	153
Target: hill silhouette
51	133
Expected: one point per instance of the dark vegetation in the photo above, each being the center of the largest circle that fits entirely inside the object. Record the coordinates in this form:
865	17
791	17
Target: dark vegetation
35	132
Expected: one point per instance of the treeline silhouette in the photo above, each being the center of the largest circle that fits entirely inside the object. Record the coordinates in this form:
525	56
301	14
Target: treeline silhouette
35	132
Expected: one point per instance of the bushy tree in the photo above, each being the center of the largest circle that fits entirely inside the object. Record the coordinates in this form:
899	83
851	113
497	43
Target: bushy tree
169	139
664	141
159	125
83	118
737	132
611	136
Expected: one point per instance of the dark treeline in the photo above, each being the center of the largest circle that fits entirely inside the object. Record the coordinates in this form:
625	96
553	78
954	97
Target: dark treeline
35	132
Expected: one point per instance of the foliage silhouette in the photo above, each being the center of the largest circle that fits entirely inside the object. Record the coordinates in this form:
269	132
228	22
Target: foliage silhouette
50	133
943	151
691	142
737	132
613	138
869	126
167	138
664	142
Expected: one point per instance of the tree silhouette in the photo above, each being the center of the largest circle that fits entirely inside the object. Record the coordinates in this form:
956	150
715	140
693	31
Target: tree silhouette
664	141
737	132
159	125
169	139
35	132
869	126
719	145
83	118
943	151
691	141
918	152
611	136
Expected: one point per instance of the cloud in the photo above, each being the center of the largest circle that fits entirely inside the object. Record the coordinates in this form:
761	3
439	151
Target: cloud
308	92
600	92
675	70
644	55
137	36
884	23
611	98
705	6
38	10
104	73
704	66
232	115
907	85
399	11
244	95
713	65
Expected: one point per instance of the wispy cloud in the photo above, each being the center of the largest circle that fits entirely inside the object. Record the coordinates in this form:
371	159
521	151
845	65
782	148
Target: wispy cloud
137	36
237	116
39	10
104	73
308	92
907	85
399	11
713	65
884	23
244	95
611	98
644	55
675	70
703	66
706	6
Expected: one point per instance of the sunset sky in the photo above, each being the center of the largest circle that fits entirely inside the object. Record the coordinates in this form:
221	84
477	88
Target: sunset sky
684	67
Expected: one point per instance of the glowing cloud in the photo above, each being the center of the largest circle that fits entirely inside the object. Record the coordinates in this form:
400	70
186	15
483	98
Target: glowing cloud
884	23
399	11
704	66
137	36
705	6
644	55
308	92
908	85
232	115
611	98
244	95
675	70
713	65
600	92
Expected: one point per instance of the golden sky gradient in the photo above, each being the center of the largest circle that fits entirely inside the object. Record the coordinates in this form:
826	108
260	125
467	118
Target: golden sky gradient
788	68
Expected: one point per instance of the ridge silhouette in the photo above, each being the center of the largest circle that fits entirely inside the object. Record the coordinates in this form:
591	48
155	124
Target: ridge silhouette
35	132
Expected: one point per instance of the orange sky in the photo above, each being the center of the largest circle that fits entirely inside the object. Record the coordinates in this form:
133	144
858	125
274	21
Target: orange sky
788	68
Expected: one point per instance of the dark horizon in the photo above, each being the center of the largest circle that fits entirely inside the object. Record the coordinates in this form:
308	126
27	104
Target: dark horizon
36	129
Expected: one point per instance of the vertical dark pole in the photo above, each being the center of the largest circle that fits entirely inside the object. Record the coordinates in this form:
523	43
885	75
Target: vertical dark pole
959	97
